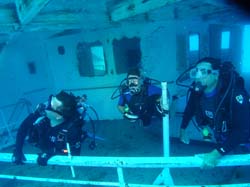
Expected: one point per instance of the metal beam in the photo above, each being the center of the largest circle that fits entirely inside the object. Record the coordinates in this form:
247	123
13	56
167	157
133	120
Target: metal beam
126	162
134	7
134	162
55	21
27	10
112	184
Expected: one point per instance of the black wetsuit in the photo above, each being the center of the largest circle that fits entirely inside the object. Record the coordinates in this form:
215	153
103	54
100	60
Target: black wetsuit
51	140
230	122
143	103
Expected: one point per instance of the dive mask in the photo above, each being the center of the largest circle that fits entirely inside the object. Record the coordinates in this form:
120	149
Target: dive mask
197	73
134	84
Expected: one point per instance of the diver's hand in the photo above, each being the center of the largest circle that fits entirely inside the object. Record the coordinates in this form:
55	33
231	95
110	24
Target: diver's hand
43	158
211	159
18	157
183	137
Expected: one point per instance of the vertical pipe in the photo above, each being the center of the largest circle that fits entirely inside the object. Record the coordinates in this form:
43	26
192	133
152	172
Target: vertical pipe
165	107
165	176
120	177
70	157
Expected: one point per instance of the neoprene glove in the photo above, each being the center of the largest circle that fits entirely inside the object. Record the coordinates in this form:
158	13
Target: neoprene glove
43	158
18	157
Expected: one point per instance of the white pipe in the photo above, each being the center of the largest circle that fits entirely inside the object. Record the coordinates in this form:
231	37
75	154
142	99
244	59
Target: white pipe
98	183
64	181
70	158
134	162
120	177
165	176
165	119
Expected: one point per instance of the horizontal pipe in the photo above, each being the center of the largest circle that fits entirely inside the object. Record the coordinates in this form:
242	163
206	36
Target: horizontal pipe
53	180
99	183
134	162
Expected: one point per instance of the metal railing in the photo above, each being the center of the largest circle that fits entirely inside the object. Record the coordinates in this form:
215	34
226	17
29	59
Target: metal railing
9	124
125	162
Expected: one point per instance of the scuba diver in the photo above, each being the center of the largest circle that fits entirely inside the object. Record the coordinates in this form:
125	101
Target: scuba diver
50	128
139	99
221	107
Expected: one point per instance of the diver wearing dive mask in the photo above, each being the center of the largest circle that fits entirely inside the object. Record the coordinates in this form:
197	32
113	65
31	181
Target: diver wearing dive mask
139	99
43	126
218	100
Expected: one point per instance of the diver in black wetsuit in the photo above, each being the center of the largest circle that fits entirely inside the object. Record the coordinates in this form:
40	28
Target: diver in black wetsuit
140	99
218	101
50	127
